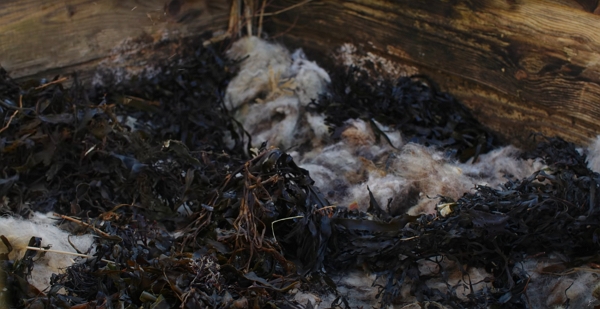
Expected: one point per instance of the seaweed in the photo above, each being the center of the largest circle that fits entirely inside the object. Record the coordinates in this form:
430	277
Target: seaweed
158	170
553	210
412	105
121	158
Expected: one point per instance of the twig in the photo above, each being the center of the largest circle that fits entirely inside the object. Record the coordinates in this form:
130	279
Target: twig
326	207
85	224
288	8
58	81
409	238
238	17
9	121
174	288
248	14
66	252
235	17
13	115
260	18
282	219
216	39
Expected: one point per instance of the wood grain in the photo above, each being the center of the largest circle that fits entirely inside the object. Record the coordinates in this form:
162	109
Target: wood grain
43	37
521	66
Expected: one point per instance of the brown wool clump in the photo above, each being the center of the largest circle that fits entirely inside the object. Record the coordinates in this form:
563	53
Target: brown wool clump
412	175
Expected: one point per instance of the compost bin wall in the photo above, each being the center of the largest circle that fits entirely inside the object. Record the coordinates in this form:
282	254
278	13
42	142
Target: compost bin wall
44	38
521	66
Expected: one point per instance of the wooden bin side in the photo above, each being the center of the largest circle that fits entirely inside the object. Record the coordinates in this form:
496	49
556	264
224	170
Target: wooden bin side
521	66
42	38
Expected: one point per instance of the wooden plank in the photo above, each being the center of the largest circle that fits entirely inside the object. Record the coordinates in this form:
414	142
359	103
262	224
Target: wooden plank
522	66
42	37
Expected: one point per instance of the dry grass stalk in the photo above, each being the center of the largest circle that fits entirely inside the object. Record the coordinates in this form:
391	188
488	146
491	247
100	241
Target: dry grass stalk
66	253
242	14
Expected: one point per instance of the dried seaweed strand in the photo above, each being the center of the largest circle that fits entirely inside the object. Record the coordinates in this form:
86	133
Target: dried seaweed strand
58	81
279	220
13	115
84	224
291	7
66	253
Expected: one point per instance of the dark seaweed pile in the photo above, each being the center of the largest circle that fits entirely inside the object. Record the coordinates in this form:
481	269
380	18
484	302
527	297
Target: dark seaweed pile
72	151
413	105
553	210
257	227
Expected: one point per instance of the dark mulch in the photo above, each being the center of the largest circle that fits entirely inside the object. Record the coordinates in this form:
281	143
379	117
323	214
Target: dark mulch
257	226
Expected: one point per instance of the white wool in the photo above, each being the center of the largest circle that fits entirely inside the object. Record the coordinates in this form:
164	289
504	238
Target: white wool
493	166
433	175
19	232
548	288
384	188
318	127
305	298
339	168
411	175
427	173
272	92
323	176
460	282
262	61
357	287
394	137
258	120
361	288
310	79
593	155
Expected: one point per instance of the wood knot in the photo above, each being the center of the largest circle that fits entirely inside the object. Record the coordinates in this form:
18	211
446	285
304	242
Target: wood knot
520	74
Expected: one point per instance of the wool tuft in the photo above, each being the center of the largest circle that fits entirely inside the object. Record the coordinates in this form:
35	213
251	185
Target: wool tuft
19	232
272	92
409	176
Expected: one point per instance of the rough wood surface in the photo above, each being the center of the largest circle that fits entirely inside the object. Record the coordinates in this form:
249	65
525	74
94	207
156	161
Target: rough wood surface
51	36
522	66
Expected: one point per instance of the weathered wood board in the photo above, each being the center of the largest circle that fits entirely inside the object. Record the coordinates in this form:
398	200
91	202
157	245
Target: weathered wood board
521	66
46	37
